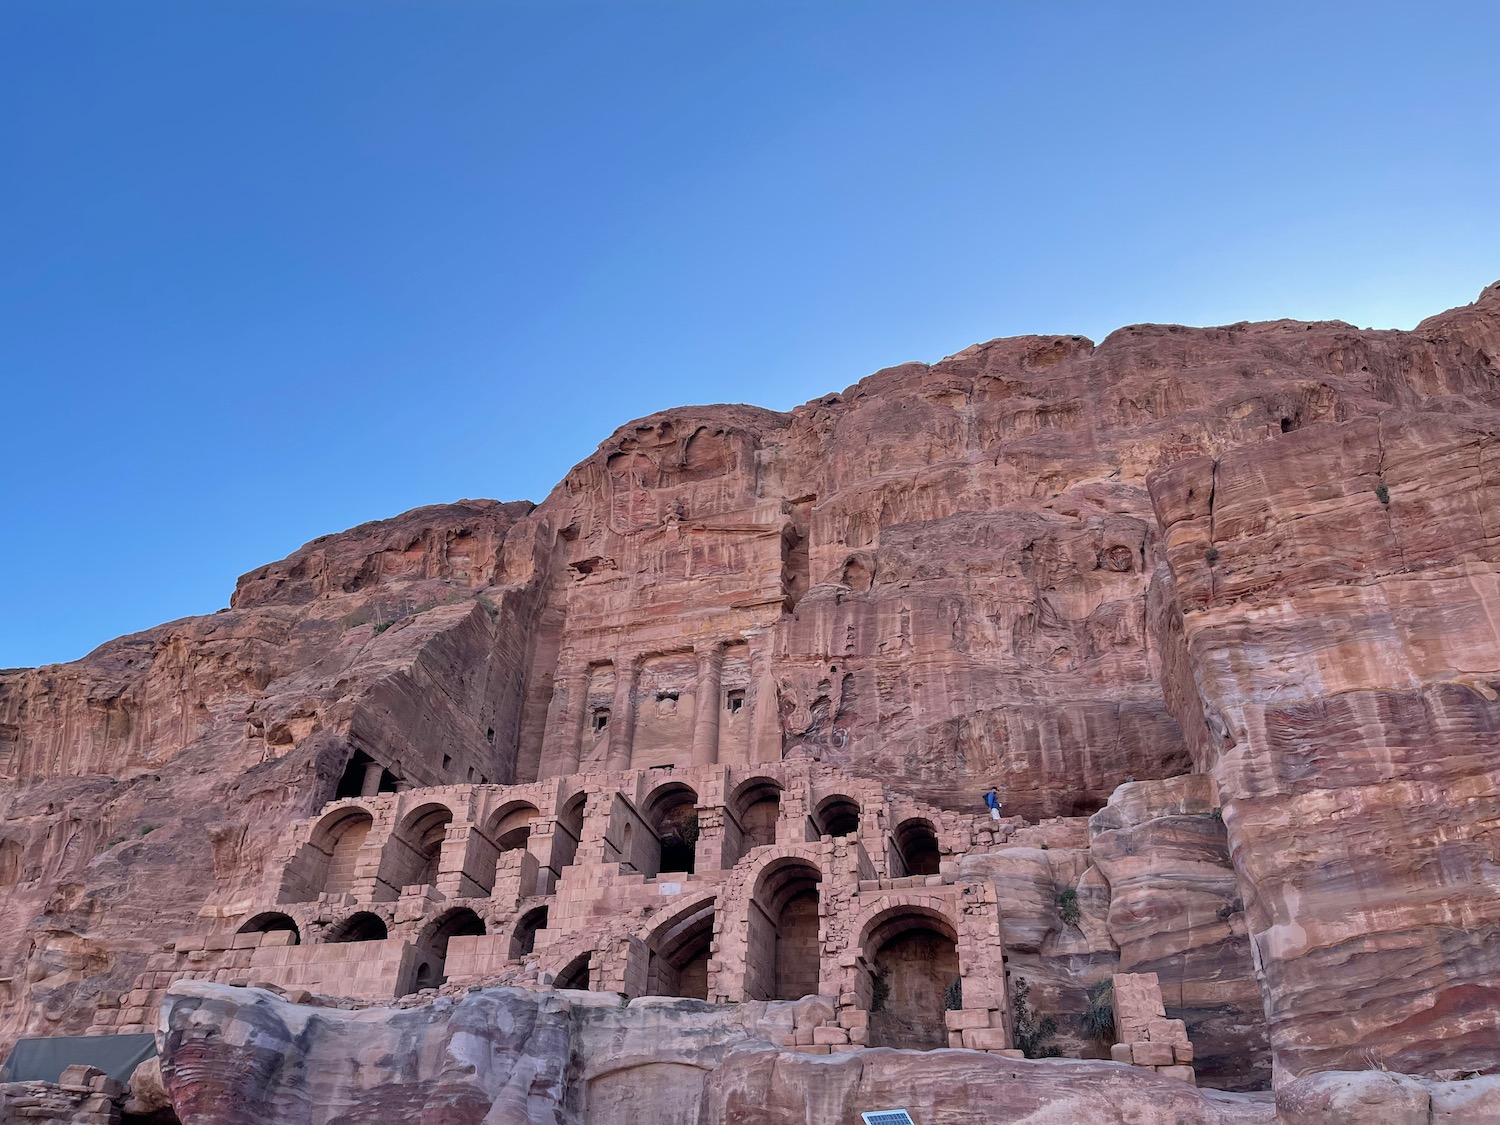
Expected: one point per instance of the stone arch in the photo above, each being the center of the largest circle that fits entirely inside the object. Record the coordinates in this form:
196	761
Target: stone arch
678	950
272	921
432	944
359	926
909	965
917	844
414	852
506	829
576	973
523	934
782	959
569	830
509	826
672	811
837	815
755	806
328	862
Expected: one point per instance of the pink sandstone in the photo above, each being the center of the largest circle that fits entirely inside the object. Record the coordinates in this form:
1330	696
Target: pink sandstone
1214	607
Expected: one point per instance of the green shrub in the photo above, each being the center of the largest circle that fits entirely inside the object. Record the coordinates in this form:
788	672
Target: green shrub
953	995
880	990
1099	1020
147	829
1067	907
1212	555
1383	494
1034	1031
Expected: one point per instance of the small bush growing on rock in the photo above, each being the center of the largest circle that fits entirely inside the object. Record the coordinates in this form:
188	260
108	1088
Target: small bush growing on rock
880	990
1212	555
1383	494
147	829
1034	1031
1067	906
382	626
953	995
1099	1020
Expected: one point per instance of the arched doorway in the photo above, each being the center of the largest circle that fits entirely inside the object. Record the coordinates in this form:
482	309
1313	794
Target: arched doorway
272	922
783	958
341	836
916	840
672	812
756	807
523	937
837	816
912	954
569	831
419	846
576	973
363	926
679	951
510	826
432	944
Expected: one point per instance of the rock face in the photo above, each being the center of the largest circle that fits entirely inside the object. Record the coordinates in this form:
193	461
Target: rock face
564	1058
1258	555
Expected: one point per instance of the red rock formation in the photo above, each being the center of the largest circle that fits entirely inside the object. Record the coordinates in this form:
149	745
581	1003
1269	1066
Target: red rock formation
946	576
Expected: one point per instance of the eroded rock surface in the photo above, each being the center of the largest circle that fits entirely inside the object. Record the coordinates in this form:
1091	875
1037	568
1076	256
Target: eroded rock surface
561	1058
1260	553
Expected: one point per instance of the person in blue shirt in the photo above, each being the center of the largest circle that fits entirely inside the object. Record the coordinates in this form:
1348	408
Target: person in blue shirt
992	799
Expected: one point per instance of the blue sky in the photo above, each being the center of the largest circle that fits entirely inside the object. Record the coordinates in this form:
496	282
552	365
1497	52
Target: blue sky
271	270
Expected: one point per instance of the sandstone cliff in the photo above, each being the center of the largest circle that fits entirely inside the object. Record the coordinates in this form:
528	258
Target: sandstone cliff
1258	552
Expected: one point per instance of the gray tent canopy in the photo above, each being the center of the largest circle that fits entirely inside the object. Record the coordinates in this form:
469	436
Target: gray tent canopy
43	1060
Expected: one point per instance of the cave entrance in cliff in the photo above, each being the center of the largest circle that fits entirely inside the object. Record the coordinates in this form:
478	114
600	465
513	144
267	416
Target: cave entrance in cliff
672	812
272	922
781	960
362	926
576	973
917	843
364	777
837	816
910	956
432	944
679	949
523	937
418	846
756	807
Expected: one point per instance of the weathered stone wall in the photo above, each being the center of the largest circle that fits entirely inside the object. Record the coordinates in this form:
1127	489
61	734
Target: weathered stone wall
1338	600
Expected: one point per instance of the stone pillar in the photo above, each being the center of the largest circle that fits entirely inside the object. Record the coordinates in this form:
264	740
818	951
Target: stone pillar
706	705
765	713
571	721
622	714
370	785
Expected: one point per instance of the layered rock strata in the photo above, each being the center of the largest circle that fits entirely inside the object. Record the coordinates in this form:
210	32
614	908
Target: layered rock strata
1258	554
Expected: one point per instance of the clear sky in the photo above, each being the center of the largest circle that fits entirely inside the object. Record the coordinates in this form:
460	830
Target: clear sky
271	270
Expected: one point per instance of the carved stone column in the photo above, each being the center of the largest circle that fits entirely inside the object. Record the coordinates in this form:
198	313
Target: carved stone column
706	705
622	714
370	784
